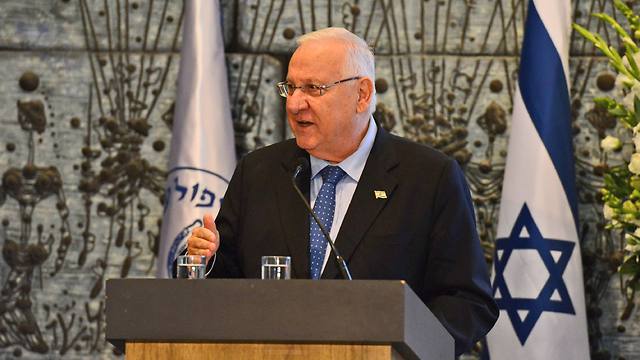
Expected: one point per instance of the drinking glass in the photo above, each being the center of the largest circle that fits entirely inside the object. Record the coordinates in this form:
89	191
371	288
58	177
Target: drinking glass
276	267
191	266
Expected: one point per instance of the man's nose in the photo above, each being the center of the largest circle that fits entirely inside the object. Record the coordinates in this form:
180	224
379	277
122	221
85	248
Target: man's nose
297	102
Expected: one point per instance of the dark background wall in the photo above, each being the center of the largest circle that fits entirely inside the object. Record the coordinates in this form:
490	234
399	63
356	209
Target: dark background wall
86	103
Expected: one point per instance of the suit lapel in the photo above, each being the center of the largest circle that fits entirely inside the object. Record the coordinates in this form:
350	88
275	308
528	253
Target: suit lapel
294	217
365	206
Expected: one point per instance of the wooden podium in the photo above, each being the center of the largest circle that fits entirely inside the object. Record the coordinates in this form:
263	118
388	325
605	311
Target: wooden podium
272	319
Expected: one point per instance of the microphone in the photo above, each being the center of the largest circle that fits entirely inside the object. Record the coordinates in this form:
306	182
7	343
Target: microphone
303	165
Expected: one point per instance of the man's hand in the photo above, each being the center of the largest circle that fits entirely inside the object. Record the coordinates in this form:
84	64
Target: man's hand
204	240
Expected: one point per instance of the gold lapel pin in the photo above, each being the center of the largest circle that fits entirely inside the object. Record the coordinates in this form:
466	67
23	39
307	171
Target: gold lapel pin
380	194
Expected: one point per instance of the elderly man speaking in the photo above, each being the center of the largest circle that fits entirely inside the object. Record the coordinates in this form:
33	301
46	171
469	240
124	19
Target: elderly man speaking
396	209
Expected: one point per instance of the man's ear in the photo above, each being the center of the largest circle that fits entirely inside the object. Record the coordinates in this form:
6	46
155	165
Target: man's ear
365	94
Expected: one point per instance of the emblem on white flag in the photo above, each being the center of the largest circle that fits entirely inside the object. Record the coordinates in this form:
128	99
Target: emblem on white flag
202	145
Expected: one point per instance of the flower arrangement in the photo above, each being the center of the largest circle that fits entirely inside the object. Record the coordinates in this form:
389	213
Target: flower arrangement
621	191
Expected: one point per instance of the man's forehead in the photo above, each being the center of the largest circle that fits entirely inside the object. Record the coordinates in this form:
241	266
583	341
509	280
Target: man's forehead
316	61
320	51
318	73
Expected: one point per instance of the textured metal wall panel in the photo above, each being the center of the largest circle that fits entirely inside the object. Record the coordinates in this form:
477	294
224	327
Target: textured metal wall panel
391	27
125	25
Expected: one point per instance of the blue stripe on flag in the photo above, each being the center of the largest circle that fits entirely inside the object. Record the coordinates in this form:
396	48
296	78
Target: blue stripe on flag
544	91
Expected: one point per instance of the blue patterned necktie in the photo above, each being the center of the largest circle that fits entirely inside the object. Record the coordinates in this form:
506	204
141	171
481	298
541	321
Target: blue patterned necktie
324	207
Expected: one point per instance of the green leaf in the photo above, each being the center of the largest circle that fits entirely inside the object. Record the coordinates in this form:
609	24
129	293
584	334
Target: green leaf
632	61
630	266
636	108
618	112
616	56
585	33
616	181
601	44
621	32
628	13
621	6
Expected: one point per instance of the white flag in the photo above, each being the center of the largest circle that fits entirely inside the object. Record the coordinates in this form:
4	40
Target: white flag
202	156
537	277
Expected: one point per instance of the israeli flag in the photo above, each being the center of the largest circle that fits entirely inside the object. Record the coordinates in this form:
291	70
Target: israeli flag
537	277
202	156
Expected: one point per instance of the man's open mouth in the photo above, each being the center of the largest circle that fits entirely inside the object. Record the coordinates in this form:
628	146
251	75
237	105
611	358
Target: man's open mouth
304	123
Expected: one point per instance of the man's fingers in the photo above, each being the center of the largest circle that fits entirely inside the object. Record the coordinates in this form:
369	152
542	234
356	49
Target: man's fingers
209	222
196	242
197	251
204	234
204	240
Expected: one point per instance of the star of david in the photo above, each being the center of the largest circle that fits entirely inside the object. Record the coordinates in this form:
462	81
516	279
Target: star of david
554	287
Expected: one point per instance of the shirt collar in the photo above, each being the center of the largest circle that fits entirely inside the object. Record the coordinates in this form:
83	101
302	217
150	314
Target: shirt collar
353	165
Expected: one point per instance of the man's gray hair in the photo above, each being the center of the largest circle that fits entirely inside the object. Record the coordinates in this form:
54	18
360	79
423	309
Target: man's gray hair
360	54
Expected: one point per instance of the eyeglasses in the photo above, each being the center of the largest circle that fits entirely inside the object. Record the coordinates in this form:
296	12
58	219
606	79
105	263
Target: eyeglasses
286	89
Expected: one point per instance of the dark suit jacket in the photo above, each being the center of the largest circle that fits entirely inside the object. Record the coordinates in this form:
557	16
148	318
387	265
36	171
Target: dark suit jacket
424	232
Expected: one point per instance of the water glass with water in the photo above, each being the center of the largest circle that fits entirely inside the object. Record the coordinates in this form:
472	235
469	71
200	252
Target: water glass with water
276	267
191	266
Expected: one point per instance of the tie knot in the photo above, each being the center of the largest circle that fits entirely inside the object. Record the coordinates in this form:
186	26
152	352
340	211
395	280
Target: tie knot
332	174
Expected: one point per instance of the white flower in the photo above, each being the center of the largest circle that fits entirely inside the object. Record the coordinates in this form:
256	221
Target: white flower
636	142
632	248
636	88
628	101
634	91
629	239
634	164
633	239
611	143
608	212
636	136
623	82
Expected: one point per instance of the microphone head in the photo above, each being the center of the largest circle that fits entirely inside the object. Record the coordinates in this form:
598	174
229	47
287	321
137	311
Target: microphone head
301	166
